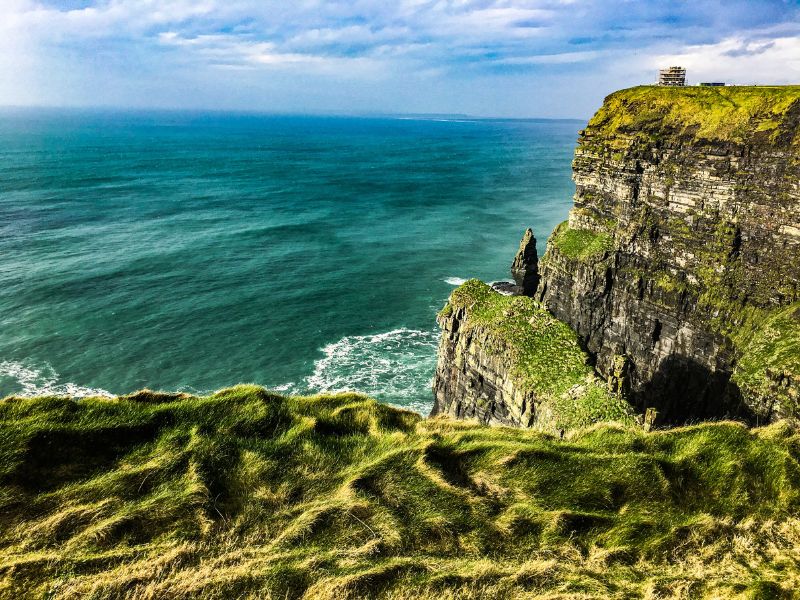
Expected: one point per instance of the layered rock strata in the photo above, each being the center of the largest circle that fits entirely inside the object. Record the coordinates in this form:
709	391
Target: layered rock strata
679	269
504	360
682	250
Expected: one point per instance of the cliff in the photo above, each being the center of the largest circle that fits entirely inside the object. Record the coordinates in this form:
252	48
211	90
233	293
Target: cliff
678	268
504	360
249	494
680	260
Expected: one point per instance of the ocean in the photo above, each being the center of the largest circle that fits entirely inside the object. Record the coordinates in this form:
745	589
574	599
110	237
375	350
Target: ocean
194	251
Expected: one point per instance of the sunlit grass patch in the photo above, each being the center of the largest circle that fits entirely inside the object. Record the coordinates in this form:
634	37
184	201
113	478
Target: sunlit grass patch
545	356
246	493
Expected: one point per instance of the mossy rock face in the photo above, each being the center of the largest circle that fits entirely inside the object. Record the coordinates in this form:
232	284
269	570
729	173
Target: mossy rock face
683	241
249	494
769	366
519	365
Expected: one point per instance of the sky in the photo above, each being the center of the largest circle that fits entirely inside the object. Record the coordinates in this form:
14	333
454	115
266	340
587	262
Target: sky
495	58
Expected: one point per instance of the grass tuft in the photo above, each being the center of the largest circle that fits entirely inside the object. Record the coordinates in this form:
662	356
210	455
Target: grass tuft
581	244
734	114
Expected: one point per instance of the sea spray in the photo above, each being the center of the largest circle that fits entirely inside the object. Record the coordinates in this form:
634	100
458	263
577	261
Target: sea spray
396	366
28	380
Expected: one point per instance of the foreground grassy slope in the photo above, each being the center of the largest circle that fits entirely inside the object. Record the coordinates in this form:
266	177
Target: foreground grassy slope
250	494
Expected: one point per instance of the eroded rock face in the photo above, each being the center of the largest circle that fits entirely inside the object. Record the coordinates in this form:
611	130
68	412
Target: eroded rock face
505	360
472	383
525	267
699	244
644	334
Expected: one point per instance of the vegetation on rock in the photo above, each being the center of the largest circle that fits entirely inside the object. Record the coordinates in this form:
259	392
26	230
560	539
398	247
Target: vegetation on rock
717	114
581	244
544	355
770	361
246	493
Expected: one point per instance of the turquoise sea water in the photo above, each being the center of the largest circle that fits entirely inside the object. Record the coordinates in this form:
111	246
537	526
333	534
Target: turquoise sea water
194	251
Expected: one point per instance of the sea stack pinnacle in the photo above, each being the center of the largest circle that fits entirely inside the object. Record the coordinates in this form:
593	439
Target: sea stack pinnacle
525	268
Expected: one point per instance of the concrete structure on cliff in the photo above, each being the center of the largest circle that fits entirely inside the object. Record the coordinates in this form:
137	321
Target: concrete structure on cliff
673	77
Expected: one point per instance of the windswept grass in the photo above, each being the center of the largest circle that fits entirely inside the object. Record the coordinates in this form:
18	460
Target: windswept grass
725	114
249	494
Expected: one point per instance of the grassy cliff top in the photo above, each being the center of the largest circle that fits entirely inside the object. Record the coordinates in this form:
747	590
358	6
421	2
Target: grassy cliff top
716	114
581	244
246	493
544	353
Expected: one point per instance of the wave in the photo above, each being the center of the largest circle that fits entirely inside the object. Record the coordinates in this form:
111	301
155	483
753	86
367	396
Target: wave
284	388
395	367
455	280
29	380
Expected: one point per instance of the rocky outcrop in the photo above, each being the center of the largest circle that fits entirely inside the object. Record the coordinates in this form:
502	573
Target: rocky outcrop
683	249
504	360
525	267
472	383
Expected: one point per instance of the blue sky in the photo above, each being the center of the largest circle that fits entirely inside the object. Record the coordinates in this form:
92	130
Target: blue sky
517	58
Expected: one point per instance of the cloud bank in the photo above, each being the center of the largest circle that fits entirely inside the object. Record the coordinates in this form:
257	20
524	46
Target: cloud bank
554	58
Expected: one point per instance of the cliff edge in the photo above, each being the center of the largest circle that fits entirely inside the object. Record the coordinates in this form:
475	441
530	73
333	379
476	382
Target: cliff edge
679	265
249	494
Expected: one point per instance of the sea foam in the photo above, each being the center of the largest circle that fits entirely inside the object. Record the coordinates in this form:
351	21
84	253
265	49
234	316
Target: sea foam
455	280
396	367
30	380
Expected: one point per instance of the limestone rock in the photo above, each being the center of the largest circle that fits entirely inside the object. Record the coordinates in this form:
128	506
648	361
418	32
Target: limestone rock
507	288
525	268
681	245
679	266
504	360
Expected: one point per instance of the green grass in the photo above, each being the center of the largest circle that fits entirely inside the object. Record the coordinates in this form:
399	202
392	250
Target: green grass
544	355
247	494
581	244
770	357
728	114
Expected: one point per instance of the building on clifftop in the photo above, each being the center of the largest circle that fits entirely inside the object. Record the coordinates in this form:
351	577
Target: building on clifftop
673	76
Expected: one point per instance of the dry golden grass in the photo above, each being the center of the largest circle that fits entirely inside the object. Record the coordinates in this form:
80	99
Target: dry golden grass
246	494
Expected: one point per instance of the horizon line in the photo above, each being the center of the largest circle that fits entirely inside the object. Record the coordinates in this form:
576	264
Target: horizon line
283	113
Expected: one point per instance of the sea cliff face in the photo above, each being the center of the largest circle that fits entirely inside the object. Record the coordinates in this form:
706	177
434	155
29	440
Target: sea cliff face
679	266
504	360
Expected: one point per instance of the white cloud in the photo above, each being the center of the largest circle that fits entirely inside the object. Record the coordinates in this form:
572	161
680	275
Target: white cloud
560	58
230	52
739	60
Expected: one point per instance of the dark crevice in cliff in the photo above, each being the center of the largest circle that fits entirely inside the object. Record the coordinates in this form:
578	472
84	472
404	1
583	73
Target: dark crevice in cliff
736	246
656	336
684	390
